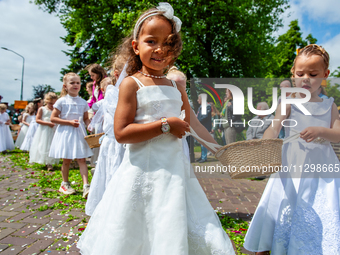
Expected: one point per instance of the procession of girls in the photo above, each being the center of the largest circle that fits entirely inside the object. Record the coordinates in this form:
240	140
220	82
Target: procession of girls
142	199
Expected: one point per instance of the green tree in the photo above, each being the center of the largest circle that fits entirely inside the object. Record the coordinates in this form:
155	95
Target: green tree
334	90
284	52
336	73
41	90
221	38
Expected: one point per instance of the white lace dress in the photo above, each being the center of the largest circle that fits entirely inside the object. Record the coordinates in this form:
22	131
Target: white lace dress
301	215
151	205
6	139
41	144
68	141
26	144
23	130
111	152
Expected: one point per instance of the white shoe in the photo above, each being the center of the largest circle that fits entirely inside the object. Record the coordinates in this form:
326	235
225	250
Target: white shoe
66	188
86	190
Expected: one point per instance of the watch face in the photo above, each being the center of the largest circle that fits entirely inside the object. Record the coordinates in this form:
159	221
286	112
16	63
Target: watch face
165	128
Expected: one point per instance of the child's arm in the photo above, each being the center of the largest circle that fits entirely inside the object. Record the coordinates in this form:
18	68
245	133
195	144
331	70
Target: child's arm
8	121
128	132
331	134
186	105
86	119
55	119
273	130
40	121
24	120
201	131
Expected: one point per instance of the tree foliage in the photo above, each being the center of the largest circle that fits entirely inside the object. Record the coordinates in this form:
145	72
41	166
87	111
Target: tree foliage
336	73
229	38
284	52
41	90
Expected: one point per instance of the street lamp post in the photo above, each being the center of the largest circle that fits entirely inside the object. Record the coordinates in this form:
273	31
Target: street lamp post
23	65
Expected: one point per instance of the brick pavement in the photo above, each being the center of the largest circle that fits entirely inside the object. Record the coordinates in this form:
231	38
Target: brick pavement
24	231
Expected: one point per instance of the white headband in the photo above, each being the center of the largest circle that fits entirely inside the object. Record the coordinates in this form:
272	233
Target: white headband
167	11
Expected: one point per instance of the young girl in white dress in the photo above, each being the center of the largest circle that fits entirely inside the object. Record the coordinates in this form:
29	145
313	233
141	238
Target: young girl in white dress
70	112
299	212
27	117
151	205
41	144
26	144
6	139
111	152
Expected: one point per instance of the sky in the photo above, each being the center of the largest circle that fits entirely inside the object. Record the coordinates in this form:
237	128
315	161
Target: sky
35	34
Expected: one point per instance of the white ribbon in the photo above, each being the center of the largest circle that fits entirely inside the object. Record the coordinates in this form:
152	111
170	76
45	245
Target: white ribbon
167	11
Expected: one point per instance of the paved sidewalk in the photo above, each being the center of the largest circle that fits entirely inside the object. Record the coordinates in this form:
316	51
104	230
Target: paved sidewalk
27	232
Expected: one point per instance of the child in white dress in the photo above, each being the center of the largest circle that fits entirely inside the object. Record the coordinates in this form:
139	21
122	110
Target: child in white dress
26	144
299	212
71	112
6	139
27	117
111	152
151	205
41	144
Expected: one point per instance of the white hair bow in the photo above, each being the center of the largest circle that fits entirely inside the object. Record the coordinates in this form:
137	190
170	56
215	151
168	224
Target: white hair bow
167	11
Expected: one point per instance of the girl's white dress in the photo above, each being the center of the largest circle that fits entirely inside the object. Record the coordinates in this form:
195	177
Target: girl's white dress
151	205
299	213
41	144
6	139
68	141
23	130
26	144
111	152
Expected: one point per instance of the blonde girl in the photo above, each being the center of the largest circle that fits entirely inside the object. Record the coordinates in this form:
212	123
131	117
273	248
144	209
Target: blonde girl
28	116
70	112
41	144
26	144
151	205
6	139
299	209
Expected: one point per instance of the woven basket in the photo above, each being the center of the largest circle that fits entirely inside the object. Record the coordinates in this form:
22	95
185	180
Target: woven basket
251	158
93	140
15	127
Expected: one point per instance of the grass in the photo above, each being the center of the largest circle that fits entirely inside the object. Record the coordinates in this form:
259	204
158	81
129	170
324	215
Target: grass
49	183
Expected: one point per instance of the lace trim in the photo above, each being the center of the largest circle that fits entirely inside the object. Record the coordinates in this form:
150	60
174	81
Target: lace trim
313	229
201	240
141	188
157	106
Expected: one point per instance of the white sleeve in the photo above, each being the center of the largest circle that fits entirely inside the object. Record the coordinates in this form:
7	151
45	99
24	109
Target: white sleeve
58	104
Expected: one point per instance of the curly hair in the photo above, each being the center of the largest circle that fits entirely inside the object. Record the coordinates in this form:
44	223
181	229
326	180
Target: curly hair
173	44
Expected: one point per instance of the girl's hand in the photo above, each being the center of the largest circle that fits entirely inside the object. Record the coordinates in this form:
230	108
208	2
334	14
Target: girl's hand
310	133
74	123
178	127
51	125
